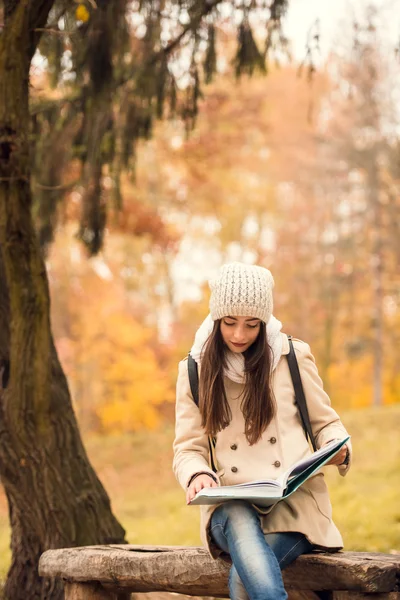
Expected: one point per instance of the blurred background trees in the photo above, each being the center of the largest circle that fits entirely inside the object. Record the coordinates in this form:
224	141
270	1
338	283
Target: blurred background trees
301	178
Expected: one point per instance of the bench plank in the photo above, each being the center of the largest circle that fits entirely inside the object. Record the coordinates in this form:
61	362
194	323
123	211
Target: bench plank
356	596
357	571
190	570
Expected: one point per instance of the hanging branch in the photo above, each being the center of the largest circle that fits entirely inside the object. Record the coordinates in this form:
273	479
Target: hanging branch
312	48
210	59
107	136
248	56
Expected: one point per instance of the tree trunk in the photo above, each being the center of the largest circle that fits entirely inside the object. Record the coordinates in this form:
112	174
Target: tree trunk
55	498
377	276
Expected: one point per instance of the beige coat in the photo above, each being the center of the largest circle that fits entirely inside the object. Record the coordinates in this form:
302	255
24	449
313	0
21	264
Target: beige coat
308	510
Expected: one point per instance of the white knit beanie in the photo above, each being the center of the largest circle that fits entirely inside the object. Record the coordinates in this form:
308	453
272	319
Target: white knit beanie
242	290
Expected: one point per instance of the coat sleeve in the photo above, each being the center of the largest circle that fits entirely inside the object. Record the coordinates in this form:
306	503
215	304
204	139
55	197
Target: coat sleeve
325	422
191	442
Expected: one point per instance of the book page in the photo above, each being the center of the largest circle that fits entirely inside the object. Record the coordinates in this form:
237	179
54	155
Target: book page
259	494
319	457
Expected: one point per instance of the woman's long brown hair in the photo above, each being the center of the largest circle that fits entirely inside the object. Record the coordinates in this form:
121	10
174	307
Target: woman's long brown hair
258	403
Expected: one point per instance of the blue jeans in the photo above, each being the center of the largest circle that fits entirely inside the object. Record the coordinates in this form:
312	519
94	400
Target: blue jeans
257	557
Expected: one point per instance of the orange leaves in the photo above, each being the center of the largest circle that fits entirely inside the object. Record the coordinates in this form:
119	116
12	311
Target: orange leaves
350	382
138	219
134	384
135	387
123	371
109	354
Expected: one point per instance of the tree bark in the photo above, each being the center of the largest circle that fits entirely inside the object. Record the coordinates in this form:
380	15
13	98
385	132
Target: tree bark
55	498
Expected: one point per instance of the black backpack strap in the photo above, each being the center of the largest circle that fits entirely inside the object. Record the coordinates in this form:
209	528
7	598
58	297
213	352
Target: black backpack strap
194	388
300	398
193	378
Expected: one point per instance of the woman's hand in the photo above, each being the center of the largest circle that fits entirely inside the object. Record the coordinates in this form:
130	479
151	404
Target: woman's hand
198	483
339	458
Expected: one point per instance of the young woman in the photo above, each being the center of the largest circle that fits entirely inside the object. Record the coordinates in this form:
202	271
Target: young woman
246	402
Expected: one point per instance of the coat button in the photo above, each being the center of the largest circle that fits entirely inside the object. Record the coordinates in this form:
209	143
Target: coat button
234	469
277	464
234	447
272	440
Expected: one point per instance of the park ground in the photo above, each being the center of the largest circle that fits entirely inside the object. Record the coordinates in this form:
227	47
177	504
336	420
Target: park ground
136	471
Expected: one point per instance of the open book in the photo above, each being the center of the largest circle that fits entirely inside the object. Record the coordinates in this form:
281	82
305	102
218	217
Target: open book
270	491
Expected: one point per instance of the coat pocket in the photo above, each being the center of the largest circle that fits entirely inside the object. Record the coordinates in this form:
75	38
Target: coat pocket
318	491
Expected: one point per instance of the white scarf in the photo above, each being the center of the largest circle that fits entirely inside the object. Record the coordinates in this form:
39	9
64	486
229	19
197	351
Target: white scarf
235	360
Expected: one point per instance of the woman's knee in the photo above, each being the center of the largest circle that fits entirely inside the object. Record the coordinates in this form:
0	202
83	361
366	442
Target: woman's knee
232	521
235	511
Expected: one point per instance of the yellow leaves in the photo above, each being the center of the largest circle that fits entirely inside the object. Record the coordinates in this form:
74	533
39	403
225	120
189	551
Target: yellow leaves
112	359
135	385
351	383
82	13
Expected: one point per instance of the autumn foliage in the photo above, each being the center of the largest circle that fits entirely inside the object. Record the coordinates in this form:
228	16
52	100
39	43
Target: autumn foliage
262	179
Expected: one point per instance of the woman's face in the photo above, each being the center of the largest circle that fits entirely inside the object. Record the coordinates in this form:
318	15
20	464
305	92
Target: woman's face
239	333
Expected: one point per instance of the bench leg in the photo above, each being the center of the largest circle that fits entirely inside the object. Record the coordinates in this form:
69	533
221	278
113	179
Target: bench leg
90	591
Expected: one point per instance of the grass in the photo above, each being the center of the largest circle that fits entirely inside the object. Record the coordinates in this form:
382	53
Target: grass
366	504
136	471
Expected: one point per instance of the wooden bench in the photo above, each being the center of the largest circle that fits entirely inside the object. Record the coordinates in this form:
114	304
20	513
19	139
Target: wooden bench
113	572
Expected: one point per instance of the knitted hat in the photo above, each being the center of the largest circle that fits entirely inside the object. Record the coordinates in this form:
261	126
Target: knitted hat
241	290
